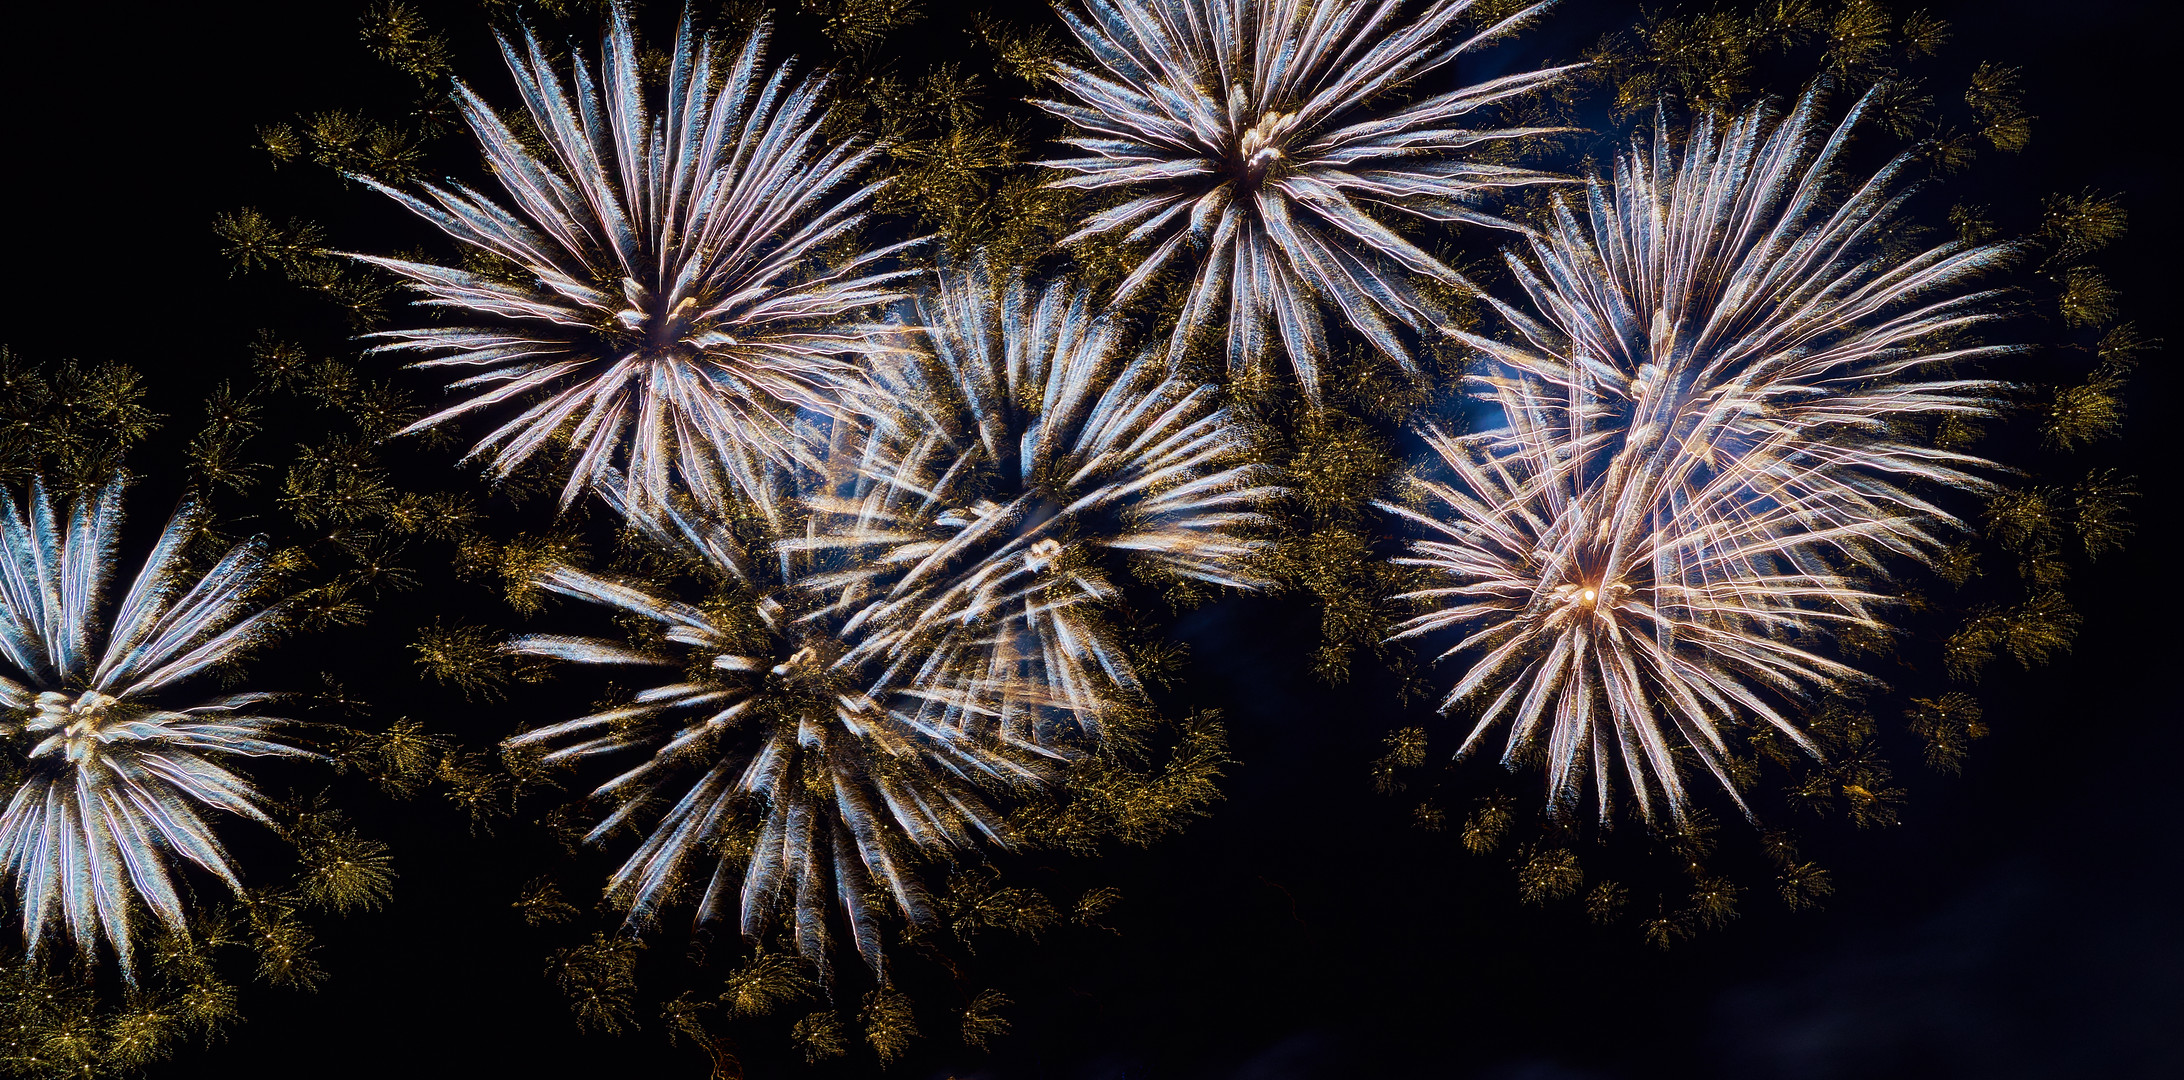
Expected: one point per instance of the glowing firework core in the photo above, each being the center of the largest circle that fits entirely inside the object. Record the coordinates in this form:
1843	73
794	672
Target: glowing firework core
1259	148
665	336
83	721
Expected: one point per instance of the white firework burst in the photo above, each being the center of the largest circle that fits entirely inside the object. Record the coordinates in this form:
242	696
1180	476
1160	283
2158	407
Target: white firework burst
1260	135
117	783
1707	460
663	305
1020	462
906	638
790	781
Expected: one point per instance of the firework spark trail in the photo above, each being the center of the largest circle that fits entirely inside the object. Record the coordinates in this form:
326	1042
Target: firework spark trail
660	309
1702	460
115	782
1022	461
1245	129
776	755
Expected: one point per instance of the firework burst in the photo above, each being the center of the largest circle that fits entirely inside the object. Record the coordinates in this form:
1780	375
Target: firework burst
1020	463
1705	463
114	784
656	295
778	758
1247	129
913	631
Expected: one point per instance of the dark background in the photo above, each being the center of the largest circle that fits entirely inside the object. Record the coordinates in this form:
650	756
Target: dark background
2021	922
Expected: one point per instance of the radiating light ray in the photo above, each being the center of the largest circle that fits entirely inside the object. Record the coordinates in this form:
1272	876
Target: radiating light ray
1021	463
1250	134
1702	474
116	781
671	305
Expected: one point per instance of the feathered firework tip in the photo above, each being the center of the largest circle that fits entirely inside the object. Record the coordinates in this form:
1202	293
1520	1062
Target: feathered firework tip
1704	456
793	784
664	290
1022	463
116	781
1252	133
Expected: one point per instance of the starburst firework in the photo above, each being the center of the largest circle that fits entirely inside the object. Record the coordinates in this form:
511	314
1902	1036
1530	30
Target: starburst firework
1020	461
661	295
778	758
912	631
1705	462
115	781
1247	128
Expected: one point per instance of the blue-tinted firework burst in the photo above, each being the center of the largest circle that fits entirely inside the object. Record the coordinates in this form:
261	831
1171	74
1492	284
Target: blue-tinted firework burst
117	784
660	298
1246	131
1707	460
1020	460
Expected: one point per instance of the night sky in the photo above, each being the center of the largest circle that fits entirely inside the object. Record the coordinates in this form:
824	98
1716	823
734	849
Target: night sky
2022	921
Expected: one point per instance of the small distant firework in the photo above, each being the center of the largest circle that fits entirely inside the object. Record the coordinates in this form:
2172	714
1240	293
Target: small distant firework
656	296
1250	131
1018	463
1708	453
115	783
